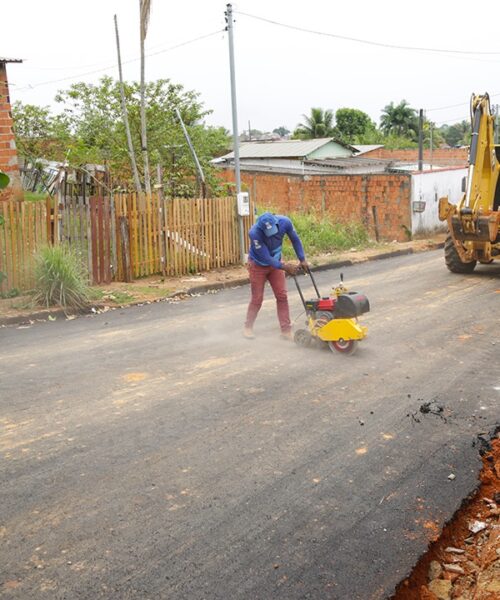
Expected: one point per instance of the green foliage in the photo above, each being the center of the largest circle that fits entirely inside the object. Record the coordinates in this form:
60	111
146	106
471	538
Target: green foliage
398	142
400	120
281	131
322	234
352	125
4	180
61	279
91	128
12	293
458	134
38	132
318	125
35	196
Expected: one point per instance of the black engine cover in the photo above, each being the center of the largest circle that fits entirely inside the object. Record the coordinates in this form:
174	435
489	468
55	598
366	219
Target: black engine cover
351	305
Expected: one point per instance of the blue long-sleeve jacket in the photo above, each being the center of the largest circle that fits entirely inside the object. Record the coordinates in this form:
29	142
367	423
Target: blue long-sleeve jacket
266	251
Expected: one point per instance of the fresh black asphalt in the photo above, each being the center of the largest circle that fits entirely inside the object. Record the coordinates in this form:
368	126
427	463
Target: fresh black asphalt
152	452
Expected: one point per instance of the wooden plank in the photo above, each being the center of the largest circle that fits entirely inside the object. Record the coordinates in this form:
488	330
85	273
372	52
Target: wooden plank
107	240
13	244
88	224
173	232
134	234
165	208
49	219
3	266
125	248
100	238
94	233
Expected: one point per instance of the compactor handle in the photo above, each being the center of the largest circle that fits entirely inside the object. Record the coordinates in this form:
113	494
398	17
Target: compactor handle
308	271
300	291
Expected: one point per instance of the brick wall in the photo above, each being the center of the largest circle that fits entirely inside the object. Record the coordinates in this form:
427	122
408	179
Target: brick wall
454	157
8	153
380	201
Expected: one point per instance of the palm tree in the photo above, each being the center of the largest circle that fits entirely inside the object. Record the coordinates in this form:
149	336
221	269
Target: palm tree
401	120
318	125
145	8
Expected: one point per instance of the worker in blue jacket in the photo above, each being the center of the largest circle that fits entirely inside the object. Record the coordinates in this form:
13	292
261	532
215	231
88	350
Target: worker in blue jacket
265	264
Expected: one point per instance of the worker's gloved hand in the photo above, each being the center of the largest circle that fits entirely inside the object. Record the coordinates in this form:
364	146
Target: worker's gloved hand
290	269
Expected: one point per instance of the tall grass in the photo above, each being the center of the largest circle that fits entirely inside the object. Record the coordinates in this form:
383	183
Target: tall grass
61	279
322	235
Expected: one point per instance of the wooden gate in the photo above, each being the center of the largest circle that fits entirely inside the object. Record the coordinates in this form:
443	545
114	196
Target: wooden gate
100	239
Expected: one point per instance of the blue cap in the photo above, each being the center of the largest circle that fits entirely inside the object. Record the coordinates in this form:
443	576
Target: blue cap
268	223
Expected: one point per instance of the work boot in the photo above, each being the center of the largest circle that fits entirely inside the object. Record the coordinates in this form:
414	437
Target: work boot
287	335
248	333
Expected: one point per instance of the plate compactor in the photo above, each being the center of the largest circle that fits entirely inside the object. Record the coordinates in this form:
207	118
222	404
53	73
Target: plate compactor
333	319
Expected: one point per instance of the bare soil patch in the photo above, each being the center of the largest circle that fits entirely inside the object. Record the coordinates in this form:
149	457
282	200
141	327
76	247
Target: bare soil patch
464	563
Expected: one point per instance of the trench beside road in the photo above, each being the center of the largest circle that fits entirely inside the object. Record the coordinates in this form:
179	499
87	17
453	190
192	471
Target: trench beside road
153	452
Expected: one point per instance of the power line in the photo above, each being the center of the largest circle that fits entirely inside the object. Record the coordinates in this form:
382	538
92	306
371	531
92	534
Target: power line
362	41
202	37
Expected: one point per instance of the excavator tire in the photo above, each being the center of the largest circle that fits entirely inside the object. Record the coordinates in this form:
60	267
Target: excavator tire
452	259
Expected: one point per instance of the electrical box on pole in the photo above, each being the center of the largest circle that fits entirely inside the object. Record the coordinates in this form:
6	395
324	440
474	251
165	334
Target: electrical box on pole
243	204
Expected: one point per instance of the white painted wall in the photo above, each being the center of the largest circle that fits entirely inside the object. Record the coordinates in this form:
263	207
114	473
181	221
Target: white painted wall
428	187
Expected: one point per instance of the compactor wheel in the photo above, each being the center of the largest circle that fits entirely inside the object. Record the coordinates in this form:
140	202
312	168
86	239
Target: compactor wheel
343	346
452	259
302	337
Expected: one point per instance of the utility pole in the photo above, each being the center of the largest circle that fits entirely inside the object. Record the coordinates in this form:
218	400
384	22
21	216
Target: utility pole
249	132
430	157
421	140
236	150
131	152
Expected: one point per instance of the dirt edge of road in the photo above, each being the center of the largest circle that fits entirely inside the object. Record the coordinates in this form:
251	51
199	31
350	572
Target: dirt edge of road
464	562
18	311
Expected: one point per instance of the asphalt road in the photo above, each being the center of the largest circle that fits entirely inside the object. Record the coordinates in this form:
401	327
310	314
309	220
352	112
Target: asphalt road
153	452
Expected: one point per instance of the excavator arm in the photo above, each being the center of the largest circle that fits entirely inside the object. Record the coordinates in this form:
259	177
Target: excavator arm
474	224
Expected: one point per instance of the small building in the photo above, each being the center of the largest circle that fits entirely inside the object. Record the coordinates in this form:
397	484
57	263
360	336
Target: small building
8	153
292	155
392	198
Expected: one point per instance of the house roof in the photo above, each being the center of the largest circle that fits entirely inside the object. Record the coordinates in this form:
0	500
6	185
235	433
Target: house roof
10	60
363	148
282	149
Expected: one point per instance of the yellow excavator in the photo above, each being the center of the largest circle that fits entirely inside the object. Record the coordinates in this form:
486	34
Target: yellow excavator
474	223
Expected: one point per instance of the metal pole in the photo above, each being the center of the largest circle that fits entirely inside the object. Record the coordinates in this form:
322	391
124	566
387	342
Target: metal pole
430	158
421	140
237	175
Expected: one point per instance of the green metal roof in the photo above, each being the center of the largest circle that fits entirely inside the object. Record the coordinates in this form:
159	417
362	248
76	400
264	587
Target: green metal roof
286	149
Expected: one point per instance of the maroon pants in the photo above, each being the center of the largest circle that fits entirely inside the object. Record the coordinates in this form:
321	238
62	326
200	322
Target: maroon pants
276	277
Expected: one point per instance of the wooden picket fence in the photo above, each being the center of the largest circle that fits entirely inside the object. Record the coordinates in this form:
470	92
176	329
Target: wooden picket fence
122	237
24	227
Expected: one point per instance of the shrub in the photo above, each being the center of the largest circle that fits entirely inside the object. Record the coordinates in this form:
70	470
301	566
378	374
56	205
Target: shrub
61	279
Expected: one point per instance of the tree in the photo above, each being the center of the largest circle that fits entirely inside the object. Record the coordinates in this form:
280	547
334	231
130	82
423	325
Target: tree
431	131
38	132
352	125
401	120
281	131
319	124
94	131
456	135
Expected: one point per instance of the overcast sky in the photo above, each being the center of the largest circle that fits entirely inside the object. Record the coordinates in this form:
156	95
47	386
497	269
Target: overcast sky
280	72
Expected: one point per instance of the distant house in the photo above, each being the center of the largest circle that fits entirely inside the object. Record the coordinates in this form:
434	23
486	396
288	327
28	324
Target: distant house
294	155
389	195
8	153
